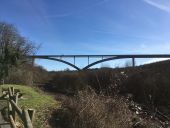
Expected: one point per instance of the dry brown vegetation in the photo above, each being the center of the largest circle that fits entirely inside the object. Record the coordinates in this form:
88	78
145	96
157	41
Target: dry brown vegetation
27	74
90	110
104	105
149	84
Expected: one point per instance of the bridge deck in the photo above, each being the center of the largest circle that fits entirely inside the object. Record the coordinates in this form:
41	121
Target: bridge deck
103	58
111	55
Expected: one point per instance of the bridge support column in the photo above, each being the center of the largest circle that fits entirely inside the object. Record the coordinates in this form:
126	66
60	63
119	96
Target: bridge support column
133	62
74	60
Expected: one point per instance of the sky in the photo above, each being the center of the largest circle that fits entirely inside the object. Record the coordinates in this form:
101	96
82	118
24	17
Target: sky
91	26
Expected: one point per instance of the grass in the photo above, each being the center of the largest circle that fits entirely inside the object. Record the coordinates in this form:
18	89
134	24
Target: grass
36	99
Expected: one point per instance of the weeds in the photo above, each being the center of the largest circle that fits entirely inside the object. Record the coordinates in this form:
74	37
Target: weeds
88	110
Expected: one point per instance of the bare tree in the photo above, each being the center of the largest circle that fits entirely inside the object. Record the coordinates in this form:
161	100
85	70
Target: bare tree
13	48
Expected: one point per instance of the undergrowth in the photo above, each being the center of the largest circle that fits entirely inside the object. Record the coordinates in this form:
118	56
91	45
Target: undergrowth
90	110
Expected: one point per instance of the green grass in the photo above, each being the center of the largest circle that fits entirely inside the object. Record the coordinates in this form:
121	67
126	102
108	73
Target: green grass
36	99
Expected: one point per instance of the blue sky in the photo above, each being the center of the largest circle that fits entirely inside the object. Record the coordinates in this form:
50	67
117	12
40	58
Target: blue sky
91	26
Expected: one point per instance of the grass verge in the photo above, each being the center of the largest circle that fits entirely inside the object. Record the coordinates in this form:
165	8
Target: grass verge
36	99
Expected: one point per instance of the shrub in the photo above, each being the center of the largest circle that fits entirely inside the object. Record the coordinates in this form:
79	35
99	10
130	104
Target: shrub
149	87
66	82
88	110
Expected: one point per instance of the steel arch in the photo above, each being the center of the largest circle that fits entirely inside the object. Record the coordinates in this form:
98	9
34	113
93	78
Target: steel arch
100	61
59	60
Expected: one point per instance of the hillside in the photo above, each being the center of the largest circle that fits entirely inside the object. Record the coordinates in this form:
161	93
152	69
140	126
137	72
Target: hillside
147	89
101	98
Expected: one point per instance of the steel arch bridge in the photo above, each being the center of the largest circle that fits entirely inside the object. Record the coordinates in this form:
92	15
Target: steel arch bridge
104	58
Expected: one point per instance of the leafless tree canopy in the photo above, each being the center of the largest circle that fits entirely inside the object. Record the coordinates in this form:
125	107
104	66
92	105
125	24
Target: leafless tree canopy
13	48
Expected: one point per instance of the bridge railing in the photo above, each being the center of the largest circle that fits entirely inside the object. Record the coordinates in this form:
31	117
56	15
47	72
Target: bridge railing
25	115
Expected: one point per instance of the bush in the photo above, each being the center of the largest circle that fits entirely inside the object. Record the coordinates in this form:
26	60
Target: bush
149	86
88	110
103	80
27	75
66	82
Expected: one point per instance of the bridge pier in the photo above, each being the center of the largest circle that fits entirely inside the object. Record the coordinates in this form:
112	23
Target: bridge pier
133	62
88	60
74	60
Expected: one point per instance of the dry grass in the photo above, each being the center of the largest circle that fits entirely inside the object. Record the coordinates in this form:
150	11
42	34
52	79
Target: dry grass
88	110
